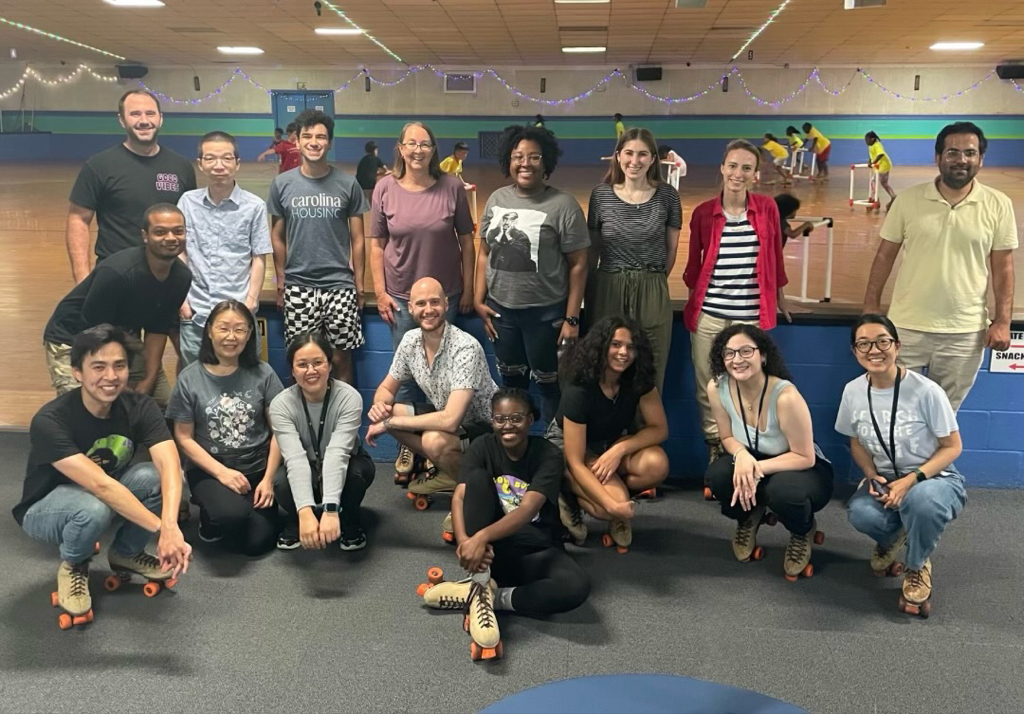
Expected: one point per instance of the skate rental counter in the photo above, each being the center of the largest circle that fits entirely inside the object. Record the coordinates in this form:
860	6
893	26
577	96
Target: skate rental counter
816	349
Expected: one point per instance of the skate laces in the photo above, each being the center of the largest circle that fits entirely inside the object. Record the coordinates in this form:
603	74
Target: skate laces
575	512
79	579
915	578
146	560
744	533
797	548
484	610
405	457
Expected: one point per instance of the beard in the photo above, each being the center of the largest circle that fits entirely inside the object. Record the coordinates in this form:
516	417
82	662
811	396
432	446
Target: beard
139	140
957	179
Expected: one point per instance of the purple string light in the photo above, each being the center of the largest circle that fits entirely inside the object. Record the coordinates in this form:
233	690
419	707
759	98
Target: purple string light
192	102
778	102
943	98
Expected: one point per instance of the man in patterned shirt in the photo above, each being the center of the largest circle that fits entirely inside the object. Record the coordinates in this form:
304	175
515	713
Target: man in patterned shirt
449	366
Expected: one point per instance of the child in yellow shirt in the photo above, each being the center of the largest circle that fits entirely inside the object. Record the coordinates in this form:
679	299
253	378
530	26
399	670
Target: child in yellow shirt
881	162
779	156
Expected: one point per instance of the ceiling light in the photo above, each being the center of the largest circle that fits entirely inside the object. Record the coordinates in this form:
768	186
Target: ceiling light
582	2
338	31
583	49
134	3
240	50
956	45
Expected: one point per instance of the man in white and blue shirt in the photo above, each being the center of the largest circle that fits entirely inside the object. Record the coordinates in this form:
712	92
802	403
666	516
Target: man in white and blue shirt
227	241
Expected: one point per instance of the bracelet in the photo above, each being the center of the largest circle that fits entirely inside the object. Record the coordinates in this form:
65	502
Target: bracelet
387	423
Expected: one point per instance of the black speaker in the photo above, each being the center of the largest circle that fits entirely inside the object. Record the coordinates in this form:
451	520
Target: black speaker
648	74
1010	71
132	71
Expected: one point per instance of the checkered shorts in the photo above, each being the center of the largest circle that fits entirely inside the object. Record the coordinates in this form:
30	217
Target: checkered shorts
332	312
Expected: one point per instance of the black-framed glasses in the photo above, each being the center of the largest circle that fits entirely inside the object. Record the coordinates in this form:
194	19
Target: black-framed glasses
884	344
423	145
515	419
746	352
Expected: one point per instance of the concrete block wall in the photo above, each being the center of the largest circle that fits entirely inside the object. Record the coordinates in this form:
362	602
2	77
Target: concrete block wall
816	351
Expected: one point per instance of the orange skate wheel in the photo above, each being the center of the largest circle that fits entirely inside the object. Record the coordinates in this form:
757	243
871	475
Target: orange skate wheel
500	649
112	583
447	537
151	589
758	553
819	537
64	622
622	550
421	503
770	519
465	623
708	496
926	609
410	495
435	575
80	620
170	583
606	541
96	548
790	578
648	493
475	651
89	616
54	599
808	571
896	568
422	588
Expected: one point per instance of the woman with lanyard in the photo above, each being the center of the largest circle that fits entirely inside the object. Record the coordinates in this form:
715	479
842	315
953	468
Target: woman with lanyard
220	410
316	422
634	222
771	462
904	437
735	271
420	226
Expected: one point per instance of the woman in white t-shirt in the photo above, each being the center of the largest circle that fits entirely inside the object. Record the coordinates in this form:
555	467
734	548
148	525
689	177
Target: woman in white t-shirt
904	437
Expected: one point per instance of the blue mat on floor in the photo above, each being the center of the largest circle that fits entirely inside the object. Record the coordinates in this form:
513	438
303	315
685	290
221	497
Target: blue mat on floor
638	694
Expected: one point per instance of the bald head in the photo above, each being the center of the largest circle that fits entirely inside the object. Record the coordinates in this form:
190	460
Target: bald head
426	287
428	304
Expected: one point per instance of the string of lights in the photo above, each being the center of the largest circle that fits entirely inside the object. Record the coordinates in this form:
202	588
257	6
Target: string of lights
338	11
58	38
56	81
943	98
758	31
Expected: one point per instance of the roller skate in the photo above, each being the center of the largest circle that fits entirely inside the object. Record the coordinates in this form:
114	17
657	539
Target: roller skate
72	595
798	553
648	494
427	484
715	451
142	564
571	515
883	560
916	598
620	534
441	594
447	529
404	466
481	624
744	541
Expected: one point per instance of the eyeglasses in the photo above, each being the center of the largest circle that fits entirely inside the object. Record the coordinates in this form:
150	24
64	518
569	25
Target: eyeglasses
746	352
515	419
226	160
316	364
224	331
954	154
882	343
423	145
535	159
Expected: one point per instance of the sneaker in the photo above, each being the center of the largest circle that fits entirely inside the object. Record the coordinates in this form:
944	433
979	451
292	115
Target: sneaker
208	534
73	587
141	563
289	538
356	542
571	515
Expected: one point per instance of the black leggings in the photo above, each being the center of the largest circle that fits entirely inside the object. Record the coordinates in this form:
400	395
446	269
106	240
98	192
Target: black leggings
221	510
793	496
361	472
545	578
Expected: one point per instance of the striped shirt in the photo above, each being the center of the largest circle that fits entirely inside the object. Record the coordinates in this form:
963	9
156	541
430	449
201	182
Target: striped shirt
734	293
633	237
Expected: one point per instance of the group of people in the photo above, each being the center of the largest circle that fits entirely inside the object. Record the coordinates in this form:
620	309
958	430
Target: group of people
270	465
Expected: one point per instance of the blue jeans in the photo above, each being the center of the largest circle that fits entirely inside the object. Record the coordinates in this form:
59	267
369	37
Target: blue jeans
527	346
925	511
409	393
74	519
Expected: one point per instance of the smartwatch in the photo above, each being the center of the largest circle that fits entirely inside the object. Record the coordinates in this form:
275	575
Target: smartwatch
920	475
330	508
572	321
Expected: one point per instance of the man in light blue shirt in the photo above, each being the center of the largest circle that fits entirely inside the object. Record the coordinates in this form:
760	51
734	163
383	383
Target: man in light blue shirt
227	241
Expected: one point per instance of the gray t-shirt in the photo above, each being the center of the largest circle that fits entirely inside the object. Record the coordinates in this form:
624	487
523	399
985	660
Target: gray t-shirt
316	213
526	240
228	413
922	416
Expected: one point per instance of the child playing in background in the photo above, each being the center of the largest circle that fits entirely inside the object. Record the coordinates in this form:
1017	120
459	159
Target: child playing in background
880	161
779	156
788	206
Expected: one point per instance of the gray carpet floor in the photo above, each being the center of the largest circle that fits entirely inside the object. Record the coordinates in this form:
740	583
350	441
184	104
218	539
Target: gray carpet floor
345	632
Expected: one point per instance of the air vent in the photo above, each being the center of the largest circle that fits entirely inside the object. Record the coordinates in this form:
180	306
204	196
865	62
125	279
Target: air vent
688	4
459	83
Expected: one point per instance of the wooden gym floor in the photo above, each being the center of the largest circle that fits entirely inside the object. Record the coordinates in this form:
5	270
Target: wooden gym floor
34	272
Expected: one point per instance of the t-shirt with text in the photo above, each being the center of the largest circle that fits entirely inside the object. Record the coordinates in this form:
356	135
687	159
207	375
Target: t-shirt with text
119	185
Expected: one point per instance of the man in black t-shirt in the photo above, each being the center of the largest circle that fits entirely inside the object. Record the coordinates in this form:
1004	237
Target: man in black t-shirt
117	185
370	169
506	523
78	479
136	289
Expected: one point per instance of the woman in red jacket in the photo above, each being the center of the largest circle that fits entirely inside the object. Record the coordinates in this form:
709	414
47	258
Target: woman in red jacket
734	271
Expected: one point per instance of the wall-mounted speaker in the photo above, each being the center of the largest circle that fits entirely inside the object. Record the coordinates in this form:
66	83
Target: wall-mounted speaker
648	74
132	71
1010	71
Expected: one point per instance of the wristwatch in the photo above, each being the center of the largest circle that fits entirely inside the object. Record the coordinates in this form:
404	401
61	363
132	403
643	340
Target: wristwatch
330	508
572	321
920	475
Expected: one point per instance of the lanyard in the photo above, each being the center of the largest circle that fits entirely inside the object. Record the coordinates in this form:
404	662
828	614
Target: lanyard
320	432
757	424
891	451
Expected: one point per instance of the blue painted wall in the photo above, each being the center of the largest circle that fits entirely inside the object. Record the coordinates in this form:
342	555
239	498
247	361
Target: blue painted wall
817	353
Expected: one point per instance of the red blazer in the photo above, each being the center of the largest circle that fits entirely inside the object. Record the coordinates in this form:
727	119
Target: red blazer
706	224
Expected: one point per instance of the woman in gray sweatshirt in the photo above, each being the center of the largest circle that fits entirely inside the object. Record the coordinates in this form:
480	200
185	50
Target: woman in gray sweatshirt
316	422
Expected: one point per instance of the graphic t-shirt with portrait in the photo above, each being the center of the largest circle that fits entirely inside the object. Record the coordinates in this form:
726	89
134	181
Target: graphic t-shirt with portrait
526	242
228	413
923	415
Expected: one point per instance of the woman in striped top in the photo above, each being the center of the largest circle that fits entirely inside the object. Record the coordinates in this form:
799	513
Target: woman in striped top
634	220
734	271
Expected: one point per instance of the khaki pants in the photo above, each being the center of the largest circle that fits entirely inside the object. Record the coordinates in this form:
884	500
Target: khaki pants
708	328
952	360
58	362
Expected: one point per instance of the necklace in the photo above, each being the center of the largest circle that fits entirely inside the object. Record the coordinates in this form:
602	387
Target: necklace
631	198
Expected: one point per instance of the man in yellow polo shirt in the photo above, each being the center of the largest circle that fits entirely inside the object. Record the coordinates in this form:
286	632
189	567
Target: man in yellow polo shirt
949	229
